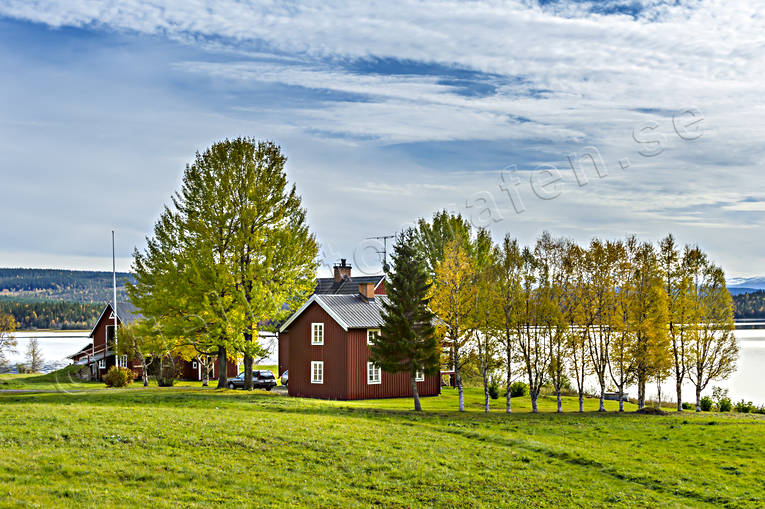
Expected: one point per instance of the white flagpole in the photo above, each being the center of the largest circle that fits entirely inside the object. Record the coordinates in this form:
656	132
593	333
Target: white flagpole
114	302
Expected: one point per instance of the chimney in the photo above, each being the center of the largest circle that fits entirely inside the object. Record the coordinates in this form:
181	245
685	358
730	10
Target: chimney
367	291
342	270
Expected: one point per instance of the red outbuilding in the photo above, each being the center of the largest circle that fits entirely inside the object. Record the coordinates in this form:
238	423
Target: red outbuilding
325	346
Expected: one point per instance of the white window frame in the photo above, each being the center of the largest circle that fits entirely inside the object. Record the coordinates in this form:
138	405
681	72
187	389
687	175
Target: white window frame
369	334
317	368
123	361
374	374
317	326
419	376
194	365
102	364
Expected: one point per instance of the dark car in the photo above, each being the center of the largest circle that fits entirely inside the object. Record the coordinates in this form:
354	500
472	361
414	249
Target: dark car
261	379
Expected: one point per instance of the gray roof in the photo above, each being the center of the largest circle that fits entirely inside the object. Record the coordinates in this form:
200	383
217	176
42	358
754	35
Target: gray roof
347	285
349	311
354	310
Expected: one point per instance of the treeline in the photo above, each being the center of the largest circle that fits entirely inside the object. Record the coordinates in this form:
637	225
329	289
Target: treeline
750	305
70	285
624	311
51	314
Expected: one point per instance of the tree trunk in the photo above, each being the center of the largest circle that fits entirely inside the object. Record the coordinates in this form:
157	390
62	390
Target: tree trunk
415	394
534	396
509	371
698	398
247	364
641	393
461	394
485	390
581	401
560	403
621	398
679	389
658	389
602	407
222	367
206	373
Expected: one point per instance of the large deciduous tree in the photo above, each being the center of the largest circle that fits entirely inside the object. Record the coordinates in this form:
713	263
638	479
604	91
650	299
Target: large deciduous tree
407	341
231	255
508	288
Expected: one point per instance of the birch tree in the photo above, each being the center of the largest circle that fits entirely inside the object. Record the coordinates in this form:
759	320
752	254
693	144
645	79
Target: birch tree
452	297
7	338
574	305
508	286
712	352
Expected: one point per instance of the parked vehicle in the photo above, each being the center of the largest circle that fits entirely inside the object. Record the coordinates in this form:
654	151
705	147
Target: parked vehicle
261	379
285	377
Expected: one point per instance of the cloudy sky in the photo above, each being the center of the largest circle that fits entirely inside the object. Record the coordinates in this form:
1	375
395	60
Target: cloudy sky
581	118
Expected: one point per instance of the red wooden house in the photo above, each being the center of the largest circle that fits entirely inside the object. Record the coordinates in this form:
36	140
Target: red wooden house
99	355
325	346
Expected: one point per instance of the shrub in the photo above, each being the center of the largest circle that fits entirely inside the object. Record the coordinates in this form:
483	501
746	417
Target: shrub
724	405
118	377
493	390
166	381
518	389
688	406
744	407
759	410
706	404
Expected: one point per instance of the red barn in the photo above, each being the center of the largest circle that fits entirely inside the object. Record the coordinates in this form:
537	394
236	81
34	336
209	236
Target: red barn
325	344
100	357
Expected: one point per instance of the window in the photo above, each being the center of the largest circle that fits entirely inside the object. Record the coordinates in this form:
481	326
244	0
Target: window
109	334
123	361
372	334
373	374
419	376
317	372
317	333
102	364
194	365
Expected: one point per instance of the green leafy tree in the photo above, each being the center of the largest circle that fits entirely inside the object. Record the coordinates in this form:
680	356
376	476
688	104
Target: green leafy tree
230	253
407	341
434	237
508	291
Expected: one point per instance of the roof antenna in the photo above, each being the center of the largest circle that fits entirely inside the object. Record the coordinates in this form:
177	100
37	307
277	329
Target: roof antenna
384	251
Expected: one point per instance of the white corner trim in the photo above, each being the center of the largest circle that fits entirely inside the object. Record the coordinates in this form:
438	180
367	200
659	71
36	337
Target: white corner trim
317	299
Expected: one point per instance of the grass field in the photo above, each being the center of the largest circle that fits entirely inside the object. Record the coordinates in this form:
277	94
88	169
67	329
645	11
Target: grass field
186	446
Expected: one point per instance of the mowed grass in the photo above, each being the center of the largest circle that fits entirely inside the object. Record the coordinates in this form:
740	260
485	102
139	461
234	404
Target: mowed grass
194	447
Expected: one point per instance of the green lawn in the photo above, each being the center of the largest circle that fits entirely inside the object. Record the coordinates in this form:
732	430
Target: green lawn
199	447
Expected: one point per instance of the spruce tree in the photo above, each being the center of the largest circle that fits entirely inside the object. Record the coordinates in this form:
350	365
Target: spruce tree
407	341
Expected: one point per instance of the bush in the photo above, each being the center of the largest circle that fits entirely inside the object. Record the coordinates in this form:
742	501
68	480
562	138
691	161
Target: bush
493	390
688	406
744	407
518	389
118	377
759	410
706	404
166	381
724	405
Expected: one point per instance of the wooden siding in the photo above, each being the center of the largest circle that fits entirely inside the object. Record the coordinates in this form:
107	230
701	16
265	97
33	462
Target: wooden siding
393	385
188	372
301	352
380	290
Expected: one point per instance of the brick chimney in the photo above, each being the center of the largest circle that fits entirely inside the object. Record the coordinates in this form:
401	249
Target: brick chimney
342	270
367	291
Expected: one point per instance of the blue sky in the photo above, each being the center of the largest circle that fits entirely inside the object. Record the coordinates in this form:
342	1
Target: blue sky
389	112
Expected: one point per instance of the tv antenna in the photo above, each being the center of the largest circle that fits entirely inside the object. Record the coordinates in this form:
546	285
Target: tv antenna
384	252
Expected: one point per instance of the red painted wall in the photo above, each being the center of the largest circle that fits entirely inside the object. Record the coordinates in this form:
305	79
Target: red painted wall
284	352
380	290
302	352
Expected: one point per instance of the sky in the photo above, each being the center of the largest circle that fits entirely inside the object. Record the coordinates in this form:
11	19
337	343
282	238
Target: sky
585	119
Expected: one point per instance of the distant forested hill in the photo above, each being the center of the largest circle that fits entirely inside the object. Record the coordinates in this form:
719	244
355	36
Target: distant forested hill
66	285
48	314
750	305
57	299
